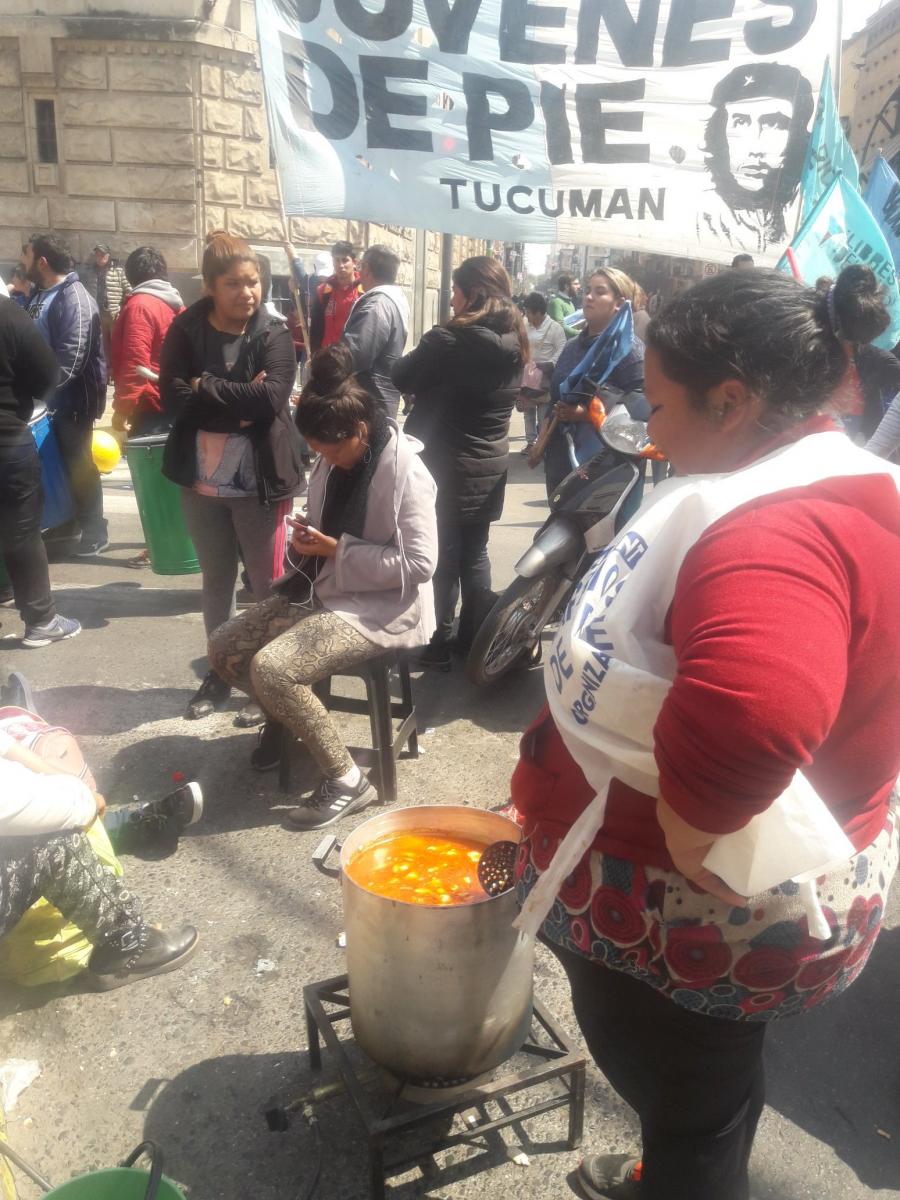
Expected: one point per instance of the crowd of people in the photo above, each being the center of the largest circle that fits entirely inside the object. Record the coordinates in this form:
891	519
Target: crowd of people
739	635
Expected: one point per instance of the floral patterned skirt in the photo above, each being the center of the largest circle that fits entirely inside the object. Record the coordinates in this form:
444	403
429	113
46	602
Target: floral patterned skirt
754	963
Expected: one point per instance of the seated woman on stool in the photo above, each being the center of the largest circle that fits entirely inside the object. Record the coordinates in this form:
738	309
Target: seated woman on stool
358	582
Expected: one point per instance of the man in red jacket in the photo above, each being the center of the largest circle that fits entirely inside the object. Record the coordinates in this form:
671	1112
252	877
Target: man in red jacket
334	298
137	339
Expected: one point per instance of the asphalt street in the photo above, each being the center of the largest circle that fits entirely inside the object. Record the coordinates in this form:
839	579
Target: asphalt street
191	1059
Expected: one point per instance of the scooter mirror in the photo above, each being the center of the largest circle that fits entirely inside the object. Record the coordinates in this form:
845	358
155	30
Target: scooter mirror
623	433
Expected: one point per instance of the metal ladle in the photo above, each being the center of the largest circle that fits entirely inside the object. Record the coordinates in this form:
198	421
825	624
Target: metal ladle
497	867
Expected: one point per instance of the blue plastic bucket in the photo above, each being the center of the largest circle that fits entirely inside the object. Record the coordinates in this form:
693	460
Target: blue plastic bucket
58	506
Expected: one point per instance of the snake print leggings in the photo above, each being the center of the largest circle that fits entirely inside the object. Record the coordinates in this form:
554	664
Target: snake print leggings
65	870
275	651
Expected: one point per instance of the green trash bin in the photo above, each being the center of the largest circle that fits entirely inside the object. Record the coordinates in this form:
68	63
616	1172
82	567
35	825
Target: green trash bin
4	577
159	505
115	1183
125	1182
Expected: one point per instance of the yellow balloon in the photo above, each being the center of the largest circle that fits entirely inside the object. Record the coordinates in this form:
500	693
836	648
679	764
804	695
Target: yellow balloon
105	451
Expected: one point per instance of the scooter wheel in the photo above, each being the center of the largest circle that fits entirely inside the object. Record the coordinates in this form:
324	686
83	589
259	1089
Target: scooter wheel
511	633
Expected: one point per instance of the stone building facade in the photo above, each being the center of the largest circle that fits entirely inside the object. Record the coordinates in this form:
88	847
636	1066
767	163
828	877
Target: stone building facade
152	128
870	78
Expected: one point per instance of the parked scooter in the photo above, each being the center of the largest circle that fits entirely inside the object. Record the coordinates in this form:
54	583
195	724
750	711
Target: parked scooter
585	511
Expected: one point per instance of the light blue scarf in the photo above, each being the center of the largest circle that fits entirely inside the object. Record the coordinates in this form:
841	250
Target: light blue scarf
603	355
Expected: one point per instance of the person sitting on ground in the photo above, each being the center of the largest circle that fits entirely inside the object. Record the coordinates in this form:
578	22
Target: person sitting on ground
44	812
377	326
227	371
358	582
137	339
547	340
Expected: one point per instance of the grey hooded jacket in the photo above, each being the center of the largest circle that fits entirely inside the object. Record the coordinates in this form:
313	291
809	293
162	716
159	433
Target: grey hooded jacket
376	334
381	583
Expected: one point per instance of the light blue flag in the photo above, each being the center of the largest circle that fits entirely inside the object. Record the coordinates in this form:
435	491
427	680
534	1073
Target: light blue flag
883	198
841	231
828	153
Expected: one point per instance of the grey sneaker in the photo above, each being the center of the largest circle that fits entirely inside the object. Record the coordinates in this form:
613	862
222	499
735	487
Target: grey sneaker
57	630
610	1176
329	802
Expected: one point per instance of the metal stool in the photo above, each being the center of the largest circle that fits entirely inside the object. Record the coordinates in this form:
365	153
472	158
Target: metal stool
387	745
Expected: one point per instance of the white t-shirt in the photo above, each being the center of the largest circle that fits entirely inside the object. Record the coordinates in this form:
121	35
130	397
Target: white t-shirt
31	803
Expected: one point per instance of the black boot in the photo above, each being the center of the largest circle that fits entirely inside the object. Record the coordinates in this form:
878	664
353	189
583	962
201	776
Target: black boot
267	754
155	824
210	696
435	656
163	952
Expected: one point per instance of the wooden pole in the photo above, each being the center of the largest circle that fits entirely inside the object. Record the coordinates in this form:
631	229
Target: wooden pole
285	228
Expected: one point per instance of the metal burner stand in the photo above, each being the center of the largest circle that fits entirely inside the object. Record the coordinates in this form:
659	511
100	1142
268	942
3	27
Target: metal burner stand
557	1061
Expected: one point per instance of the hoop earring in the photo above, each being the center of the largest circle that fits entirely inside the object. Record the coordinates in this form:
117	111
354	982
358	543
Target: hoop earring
367	457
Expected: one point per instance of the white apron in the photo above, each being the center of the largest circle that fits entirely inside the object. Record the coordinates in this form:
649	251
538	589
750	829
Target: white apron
610	671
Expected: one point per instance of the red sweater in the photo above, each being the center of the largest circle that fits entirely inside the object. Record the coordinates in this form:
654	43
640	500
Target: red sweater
786	627
137	337
335	303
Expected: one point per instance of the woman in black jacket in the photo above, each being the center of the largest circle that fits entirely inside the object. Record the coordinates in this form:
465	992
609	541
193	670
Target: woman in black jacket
465	377
227	369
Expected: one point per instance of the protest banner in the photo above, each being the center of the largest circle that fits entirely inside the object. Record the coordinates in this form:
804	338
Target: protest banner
883	198
829	152
678	126
839	231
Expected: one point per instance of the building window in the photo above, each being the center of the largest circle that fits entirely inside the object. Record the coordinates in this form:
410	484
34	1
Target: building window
45	128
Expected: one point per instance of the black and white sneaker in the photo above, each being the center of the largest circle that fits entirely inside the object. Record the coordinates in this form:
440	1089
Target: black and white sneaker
154	823
329	802
90	547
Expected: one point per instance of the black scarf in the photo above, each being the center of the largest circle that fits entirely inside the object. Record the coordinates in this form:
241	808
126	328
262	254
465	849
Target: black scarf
347	492
343	507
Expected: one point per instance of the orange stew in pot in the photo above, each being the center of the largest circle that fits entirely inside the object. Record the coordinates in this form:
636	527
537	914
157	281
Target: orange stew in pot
420	867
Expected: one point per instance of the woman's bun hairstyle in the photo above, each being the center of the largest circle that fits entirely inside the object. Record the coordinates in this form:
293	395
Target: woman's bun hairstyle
333	404
859	305
329	370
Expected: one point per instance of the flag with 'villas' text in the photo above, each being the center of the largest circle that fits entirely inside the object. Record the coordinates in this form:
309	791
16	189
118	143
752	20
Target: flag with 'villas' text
839	231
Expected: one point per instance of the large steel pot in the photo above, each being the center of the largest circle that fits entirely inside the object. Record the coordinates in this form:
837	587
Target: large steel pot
436	992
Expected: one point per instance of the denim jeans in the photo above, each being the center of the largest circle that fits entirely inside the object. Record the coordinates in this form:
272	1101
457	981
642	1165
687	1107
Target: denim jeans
21	502
463	567
534	417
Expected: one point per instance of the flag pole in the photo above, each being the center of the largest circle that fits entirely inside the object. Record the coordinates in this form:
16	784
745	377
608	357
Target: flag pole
838	55
285	228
